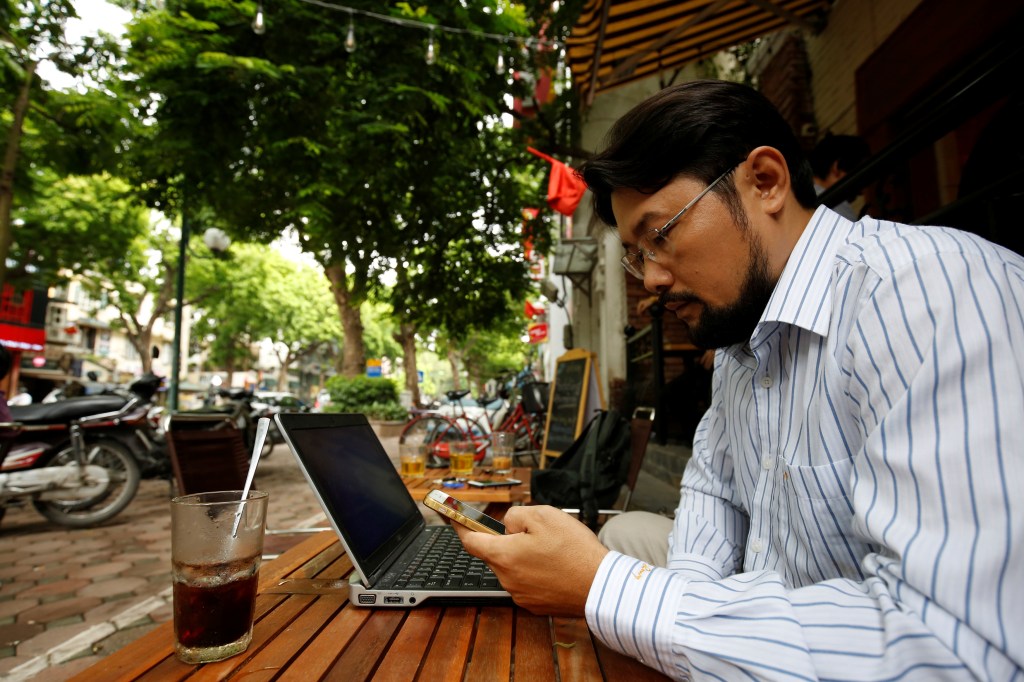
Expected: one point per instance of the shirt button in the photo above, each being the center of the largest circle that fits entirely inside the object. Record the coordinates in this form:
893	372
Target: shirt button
768	462
766	381
756	545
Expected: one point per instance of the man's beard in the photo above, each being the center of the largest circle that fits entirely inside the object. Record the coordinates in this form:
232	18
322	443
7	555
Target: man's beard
720	326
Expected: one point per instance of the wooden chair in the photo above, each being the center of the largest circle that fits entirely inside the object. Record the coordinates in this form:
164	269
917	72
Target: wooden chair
640	427
208	453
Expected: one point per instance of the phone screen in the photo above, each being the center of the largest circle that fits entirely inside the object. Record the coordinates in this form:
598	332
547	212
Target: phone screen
460	508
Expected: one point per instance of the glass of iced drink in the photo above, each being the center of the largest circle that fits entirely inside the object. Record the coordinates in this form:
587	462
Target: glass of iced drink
412	459
215	568
460	457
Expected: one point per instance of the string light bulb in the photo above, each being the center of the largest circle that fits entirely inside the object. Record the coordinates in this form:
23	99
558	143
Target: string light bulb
431	50
350	39
258	26
499	66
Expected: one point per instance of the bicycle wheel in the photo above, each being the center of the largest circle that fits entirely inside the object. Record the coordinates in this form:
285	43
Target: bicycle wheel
435	432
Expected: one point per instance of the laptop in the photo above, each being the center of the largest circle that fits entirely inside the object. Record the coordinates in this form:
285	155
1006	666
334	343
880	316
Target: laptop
379	523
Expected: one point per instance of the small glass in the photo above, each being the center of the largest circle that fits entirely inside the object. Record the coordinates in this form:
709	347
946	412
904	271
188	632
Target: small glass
412	459
502	447
460	457
215	575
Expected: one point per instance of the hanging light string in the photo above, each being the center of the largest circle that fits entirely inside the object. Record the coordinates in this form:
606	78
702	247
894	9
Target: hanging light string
528	42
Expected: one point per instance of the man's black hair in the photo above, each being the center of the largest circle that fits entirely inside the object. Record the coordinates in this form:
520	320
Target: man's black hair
848	150
699	129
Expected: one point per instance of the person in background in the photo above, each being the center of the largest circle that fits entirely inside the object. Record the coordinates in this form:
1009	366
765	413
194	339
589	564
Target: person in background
5	369
852	508
833	158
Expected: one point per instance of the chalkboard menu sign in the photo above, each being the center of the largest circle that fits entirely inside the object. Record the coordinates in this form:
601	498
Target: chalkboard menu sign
575	394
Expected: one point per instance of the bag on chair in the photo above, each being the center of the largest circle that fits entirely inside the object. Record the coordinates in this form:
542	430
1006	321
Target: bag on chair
589	475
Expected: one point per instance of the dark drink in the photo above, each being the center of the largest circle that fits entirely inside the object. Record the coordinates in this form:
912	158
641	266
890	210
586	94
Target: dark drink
213	607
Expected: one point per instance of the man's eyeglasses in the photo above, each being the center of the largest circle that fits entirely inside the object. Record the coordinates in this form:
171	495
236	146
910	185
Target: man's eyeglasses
654	244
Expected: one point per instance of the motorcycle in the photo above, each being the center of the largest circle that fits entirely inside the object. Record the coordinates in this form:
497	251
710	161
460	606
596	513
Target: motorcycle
237	406
70	459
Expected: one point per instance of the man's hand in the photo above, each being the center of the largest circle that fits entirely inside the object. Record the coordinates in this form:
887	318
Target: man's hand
547	560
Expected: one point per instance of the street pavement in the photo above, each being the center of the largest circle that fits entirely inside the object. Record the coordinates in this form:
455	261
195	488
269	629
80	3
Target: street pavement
69	597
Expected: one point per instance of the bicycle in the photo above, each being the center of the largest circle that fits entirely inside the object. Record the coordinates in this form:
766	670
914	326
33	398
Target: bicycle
526	419
436	430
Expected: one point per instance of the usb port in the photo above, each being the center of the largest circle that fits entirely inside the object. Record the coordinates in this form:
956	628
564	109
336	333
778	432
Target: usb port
392	600
367	599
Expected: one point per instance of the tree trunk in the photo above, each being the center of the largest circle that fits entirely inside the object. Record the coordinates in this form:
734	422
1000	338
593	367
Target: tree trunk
282	373
7	172
353	361
406	336
453	360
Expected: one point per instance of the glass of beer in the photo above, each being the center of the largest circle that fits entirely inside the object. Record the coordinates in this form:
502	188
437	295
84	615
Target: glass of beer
502	446
216	544
412	459
460	457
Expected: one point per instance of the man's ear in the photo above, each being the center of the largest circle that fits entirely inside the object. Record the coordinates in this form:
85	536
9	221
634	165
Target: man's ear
769	177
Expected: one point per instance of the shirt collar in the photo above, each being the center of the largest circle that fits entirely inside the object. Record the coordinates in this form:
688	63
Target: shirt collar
802	296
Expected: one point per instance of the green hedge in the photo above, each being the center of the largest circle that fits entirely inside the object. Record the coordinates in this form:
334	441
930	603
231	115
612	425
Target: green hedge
375	397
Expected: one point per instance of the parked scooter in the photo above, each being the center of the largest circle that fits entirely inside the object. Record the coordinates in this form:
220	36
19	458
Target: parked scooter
70	458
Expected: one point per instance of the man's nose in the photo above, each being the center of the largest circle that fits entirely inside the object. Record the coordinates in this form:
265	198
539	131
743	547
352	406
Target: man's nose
657	278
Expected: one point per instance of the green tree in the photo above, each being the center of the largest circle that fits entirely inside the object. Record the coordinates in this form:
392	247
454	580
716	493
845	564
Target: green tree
51	133
374	158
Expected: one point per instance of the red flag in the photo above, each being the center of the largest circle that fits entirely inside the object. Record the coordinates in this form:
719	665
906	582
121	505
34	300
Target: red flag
532	311
565	188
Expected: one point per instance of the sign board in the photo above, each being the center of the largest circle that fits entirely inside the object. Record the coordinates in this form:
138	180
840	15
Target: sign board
575	396
373	368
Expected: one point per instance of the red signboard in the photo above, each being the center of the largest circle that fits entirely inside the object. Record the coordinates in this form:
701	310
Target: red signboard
538	332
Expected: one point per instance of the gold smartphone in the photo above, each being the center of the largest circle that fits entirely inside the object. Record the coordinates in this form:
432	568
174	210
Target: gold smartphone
462	513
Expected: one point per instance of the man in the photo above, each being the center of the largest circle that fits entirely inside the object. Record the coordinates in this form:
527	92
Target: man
832	159
852	509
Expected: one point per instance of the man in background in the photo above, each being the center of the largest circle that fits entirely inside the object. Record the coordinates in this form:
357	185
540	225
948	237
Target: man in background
835	157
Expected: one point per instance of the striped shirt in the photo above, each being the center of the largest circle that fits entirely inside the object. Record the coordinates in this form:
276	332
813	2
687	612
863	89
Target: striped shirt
854	506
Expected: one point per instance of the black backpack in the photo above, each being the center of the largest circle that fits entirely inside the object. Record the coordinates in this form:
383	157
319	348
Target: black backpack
589	475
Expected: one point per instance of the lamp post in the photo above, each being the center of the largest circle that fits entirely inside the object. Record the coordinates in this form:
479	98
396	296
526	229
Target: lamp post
217	241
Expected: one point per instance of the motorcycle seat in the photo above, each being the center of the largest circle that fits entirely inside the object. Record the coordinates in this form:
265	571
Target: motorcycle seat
66	410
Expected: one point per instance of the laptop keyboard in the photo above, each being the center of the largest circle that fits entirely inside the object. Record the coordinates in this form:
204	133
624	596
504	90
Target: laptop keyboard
443	563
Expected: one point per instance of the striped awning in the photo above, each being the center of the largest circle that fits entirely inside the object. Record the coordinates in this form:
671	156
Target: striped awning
615	42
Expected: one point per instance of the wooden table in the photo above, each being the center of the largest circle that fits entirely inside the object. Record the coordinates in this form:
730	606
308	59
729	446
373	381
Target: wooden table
497	499
306	629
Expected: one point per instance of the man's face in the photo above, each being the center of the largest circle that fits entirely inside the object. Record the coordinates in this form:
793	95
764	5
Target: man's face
715	274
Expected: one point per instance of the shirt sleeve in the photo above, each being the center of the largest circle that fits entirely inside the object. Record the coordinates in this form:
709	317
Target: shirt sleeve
710	528
939	391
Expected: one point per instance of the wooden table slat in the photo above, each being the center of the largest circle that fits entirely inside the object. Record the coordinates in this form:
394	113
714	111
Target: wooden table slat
407	652
368	647
492	647
578	661
615	666
334	638
534	660
446	660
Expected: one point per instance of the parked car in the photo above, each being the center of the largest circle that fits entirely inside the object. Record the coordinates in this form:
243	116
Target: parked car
279	401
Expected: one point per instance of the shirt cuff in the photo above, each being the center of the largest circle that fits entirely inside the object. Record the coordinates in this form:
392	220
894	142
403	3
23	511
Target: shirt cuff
632	608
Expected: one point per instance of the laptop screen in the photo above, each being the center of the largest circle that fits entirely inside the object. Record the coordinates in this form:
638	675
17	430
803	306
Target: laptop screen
357	483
